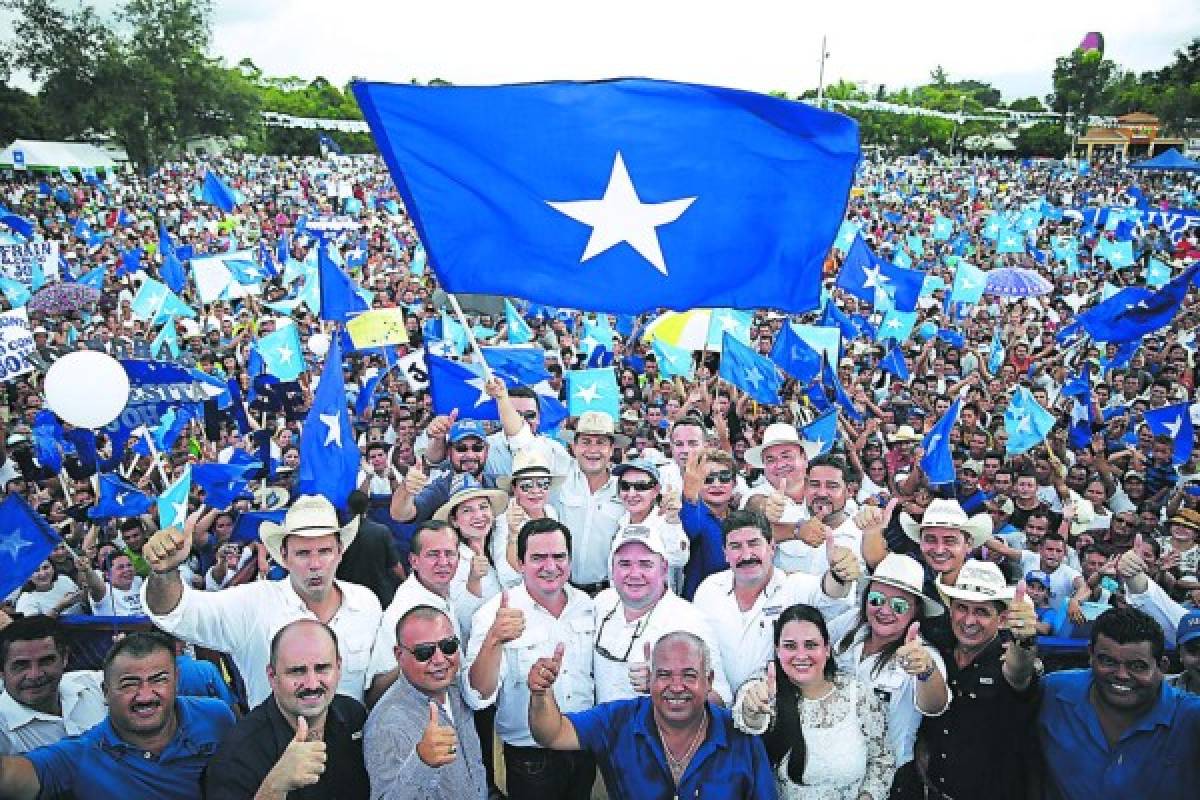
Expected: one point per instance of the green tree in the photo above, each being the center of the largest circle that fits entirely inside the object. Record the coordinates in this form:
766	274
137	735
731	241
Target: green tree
1027	104
1080	81
1043	139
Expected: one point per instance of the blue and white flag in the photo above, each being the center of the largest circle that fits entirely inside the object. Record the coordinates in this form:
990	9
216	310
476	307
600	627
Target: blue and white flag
119	498
1079	388
168	339
937	462
1026	422
831	381
1157	274
340	298
596	334
173	502
673	360
754	374
281	353
893	362
593	390
223	484
996	353
969	283
823	431
897	326
459	386
1174	421
621	195
329	455
793	355
215	192
26	540
517	366
517	328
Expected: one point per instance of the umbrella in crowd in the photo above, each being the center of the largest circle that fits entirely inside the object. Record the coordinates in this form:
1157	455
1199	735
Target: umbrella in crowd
63	298
1017	282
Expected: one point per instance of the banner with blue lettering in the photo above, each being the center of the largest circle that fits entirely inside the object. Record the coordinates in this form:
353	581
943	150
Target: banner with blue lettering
155	387
1175	221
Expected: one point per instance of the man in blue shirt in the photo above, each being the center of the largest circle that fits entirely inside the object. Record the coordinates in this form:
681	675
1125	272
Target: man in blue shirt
1116	729
673	744
152	744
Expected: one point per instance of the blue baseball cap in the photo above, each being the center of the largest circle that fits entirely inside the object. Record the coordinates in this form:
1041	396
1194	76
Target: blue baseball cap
640	464
1036	575
465	428
1189	628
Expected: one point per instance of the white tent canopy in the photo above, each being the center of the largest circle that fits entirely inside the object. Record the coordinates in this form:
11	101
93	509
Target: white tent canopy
56	155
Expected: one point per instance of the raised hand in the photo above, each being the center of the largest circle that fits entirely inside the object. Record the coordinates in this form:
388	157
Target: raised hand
759	698
439	745
776	503
1131	564
495	388
912	656
517	517
639	672
415	480
842	561
693	476
874	519
1021	618
509	624
544	671
167	549
441	424
302	763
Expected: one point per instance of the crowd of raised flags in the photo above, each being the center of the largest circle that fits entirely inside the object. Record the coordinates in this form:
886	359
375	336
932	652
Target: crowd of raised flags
275	315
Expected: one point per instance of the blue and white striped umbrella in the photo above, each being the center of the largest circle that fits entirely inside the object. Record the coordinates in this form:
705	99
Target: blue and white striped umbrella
1017	282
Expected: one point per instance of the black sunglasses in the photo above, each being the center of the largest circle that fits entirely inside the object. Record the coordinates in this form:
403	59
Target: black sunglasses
468	448
639	486
424	652
720	476
529	415
528	484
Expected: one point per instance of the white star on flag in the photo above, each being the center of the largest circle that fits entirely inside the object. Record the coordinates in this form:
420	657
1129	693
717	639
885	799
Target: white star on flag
588	393
893	323
333	425
284	352
479	385
1079	413
1024	424
621	216
754	377
874	280
13	544
1173	427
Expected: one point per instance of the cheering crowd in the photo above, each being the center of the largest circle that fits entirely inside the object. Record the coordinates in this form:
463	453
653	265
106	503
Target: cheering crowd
692	599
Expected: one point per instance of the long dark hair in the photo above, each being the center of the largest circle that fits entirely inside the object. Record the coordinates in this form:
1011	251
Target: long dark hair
889	649
787	736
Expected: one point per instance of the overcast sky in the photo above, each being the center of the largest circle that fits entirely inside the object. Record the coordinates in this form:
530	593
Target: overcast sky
751	44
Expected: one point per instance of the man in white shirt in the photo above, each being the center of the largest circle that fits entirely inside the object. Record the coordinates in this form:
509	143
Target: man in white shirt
783	457
1067	585
541	617
41	702
741	603
830	511
241	620
118	592
637	611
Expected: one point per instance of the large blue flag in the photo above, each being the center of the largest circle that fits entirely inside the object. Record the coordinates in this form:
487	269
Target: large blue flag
1174	421
517	366
1135	312
1026	422
215	192
619	195
937	462
458	386
119	498
173	502
593	390
794	356
753	374
329	456
26	540
867	276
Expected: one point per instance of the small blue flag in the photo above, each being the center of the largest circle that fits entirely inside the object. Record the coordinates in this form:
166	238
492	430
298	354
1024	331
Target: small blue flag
593	390
457	386
673	360
937	462
1157	274
167	338
173	502
281	353
893	362
1174	421
1026	422
897	326
246	530
222	483
340	299
822	430
517	366
215	192
754	374
119	498
831	381
1083	416
793	355
26	540
329	456
518	329
969	283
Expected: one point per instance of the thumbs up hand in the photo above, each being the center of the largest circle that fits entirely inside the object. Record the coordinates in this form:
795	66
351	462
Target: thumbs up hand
302	763
874	519
509	624
544	671
758	700
776	503
439	745
912	656
1021	617
639	672
842	561
415	480
167	549
1131	564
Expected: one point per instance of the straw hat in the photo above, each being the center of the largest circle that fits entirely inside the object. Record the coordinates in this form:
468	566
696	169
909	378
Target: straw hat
905	433
979	582
310	516
904	572
597	423
464	488
780	433
943	513
529	464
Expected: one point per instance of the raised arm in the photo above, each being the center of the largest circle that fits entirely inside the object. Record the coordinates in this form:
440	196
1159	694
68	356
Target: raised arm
547	724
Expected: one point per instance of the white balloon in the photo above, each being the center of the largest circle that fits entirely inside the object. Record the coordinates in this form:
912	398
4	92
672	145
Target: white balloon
87	388
318	344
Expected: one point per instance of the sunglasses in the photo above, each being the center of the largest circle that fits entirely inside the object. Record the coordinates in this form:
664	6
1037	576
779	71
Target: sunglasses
529	415
468	448
898	604
529	484
638	486
720	476
424	652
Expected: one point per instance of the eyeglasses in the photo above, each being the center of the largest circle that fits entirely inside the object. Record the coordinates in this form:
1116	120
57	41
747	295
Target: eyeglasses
468	448
898	604
424	652
529	484
529	416
638	630
638	486
720	476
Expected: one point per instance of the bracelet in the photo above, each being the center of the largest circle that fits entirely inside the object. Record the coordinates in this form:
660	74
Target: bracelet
927	674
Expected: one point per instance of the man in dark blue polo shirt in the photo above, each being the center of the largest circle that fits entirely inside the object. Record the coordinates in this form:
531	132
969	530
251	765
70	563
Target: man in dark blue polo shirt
673	744
152	744
1117	729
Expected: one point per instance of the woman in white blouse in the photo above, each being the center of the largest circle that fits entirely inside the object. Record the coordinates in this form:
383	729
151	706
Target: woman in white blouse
49	593
825	732
529	489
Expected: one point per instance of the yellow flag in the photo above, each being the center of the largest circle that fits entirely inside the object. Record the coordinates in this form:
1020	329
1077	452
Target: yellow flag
377	328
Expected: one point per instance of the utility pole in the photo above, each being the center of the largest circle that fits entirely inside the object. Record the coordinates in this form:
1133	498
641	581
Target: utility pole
821	75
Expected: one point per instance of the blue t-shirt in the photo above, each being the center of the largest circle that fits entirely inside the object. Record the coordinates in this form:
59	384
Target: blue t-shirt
112	769
703	530
621	735
1158	756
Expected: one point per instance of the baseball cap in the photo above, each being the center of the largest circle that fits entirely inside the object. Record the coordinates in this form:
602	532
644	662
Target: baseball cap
465	428
1189	628
1037	576
974	465
641	464
642	534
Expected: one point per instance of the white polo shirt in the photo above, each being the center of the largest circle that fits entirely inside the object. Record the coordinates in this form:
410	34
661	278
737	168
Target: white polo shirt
409	595
575	689
795	555
23	729
625	642
592	519
747	638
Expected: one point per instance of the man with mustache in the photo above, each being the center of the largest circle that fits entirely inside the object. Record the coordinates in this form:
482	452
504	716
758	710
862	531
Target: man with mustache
41	702
543	616
153	743
304	738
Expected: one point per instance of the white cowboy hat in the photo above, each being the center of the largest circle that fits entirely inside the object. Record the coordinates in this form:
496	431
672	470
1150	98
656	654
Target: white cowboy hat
979	582
905	433
466	488
780	433
943	513
311	516
597	423
905	572
529	464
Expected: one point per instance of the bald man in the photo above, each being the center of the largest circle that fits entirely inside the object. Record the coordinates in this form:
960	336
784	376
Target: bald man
305	740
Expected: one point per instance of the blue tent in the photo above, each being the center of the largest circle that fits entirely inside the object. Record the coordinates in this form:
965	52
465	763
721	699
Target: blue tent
1169	160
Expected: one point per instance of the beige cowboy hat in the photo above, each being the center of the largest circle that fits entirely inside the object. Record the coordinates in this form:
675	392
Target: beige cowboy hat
943	513
310	516
529	464
597	423
780	433
905	433
905	572
466	487
979	582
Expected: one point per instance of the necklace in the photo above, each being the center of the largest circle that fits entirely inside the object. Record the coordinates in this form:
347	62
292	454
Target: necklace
678	765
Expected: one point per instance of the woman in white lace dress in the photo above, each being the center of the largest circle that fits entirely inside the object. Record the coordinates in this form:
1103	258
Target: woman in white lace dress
825	733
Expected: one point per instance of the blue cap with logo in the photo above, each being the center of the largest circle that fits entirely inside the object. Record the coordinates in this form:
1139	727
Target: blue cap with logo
465	428
1189	628
1037	576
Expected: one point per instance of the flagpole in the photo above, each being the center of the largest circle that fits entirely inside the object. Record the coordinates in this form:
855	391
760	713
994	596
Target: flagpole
462	320
154	456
